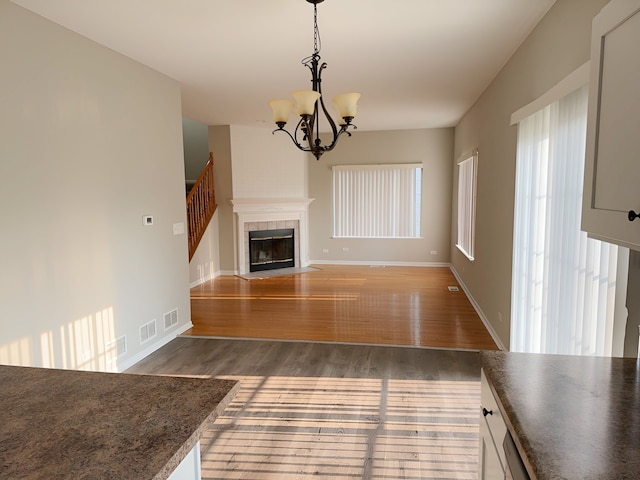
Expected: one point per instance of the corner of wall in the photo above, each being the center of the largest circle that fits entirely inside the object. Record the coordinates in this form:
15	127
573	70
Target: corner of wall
476	306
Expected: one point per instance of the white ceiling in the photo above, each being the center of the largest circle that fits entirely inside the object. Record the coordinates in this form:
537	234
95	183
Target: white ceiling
417	63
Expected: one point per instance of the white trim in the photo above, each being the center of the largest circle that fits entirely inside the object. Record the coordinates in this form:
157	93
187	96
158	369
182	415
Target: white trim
479	311
379	263
130	362
377	167
573	81
464	252
380	238
466	223
227	272
202	280
466	156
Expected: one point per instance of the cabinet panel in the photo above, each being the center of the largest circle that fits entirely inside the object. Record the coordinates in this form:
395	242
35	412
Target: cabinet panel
490	467
492	432
612	169
617	169
495	423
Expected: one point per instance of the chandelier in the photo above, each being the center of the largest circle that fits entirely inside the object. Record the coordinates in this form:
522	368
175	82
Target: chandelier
310	105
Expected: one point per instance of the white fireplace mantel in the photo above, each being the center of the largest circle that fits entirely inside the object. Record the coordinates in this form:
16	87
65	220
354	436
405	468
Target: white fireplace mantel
263	211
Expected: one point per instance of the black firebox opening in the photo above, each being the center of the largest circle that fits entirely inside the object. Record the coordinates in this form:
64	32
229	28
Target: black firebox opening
271	249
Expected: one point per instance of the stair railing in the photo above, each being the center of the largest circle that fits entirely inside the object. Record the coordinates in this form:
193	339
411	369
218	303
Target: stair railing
201	205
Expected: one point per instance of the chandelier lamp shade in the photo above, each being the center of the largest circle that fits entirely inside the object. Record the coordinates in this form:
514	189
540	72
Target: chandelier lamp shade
310	105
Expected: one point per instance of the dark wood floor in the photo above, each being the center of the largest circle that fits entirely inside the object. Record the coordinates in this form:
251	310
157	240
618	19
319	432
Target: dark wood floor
310	410
352	304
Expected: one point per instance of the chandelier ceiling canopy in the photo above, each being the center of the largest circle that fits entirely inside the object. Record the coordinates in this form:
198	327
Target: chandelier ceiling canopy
310	105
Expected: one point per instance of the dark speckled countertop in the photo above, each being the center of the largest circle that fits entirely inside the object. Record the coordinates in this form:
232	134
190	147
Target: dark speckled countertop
62	424
571	417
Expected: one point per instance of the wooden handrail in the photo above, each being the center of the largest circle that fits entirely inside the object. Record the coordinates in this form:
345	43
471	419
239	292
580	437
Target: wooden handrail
201	205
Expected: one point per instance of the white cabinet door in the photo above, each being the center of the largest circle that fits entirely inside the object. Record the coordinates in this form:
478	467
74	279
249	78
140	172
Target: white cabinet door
612	169
491	458
490	467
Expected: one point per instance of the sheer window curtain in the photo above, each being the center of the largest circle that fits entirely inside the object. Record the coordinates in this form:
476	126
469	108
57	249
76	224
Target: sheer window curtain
563	286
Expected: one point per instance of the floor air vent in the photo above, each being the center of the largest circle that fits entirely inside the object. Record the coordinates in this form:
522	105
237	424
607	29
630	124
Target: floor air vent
453	288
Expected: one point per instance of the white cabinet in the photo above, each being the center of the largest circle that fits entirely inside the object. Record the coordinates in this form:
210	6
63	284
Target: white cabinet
492	431
612	169
189	468
490	466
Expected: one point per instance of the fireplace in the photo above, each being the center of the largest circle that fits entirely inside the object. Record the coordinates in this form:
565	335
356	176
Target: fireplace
271	249
259	214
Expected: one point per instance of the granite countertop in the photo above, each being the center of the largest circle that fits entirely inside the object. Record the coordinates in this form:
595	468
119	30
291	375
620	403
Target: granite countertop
571	417
63	424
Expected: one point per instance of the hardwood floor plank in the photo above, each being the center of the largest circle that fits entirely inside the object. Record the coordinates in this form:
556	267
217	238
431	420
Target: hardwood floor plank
328	410
351	304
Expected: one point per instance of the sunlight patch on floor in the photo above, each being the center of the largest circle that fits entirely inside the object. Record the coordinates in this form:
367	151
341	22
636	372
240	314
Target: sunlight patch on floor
348	428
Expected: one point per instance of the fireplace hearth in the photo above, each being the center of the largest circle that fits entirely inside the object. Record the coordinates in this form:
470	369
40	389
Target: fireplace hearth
271	249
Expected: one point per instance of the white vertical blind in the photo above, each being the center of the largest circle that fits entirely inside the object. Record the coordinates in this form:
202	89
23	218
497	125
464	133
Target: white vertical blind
563	289
377	201
466	205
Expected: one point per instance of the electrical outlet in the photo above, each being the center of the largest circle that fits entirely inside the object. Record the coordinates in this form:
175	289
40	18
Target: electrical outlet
434	252
147	220
500	317
345	249
325	250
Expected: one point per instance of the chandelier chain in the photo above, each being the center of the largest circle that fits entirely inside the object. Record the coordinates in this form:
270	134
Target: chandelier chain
316	31
317	41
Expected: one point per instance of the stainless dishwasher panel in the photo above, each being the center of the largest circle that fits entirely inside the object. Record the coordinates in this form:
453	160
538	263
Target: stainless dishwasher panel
515	467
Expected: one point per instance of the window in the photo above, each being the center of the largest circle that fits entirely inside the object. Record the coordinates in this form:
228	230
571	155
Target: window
564	284
467	173
377	201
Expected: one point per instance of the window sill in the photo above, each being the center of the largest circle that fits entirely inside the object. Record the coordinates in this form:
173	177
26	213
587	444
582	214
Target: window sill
471	258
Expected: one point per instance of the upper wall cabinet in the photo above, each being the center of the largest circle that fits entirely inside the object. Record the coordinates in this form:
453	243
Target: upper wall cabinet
612	169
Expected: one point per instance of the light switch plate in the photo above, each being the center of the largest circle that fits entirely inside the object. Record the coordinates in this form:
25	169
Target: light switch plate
178	228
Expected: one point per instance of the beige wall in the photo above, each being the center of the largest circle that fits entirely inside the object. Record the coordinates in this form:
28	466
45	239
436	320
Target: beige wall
250	162
266	165
558	45
205	263
90	141
196	148
434	149
220	145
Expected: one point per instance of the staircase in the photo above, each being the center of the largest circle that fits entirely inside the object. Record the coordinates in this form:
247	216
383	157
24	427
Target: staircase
201	205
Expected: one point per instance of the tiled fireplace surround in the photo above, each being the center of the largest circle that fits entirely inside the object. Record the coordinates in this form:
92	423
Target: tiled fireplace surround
254	214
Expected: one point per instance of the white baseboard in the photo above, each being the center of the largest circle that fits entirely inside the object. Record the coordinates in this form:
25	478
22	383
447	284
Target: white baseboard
478	310
130	362
202	280
379	263
211	277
